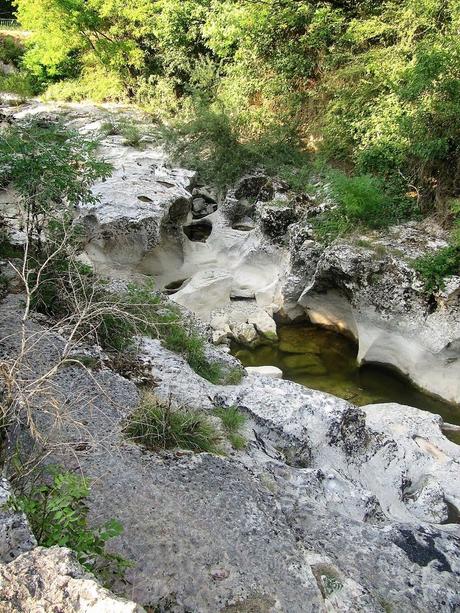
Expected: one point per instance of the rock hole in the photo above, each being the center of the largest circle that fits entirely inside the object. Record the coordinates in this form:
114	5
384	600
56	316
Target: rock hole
453	516
432	304
242	298
198	232
144	199
166	184
243	226
175	286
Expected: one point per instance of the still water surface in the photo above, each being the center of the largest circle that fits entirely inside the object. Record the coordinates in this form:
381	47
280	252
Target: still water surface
326	361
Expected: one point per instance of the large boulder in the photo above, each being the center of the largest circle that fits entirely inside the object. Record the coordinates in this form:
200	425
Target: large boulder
276	217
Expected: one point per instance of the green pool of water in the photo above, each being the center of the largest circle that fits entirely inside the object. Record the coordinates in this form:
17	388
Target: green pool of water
326	361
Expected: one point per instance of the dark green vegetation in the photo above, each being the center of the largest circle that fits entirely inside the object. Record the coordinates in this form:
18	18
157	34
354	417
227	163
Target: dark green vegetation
57	513
321	359
20	81
371	89
141	311
158	425
434	267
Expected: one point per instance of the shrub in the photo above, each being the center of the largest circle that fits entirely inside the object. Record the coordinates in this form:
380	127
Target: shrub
362	199
131	133
57	513
11	51
208	140
372	85
95	83
22	84
233	421
157	425
48	165
140	311
435	267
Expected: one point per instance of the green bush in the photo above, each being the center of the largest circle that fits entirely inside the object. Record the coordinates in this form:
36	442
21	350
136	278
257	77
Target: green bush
95	83
11	50
362	200
122	126
157	425
48	165
208	140
435	267
57	513
365	199
374	86
20	83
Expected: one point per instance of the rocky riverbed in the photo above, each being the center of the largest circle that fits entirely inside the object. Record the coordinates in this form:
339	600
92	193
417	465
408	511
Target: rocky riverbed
330	507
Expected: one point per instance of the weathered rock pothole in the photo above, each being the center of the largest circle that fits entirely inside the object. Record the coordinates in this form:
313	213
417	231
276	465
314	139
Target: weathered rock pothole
175	286
198	231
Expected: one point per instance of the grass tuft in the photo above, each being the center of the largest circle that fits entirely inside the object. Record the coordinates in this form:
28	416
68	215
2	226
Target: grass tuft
157	425
233	420
124	127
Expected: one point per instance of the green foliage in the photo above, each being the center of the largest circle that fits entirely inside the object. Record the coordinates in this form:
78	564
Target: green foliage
233	421
57	513
48	166
123	316
191	345
94	83
11	50
362	200
374	86
206	139
140	311
157	425
124	127
391	91
20	83
435	267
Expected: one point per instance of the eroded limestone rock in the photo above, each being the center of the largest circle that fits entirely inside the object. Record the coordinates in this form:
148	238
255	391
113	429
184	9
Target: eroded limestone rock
47	580
265	371
15	534
378	300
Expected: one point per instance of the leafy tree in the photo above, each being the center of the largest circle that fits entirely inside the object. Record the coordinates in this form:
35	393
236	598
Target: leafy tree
370	85
52	169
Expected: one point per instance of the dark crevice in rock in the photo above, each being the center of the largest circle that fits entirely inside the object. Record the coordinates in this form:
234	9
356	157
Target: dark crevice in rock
236	298
198	232
453	516
175	286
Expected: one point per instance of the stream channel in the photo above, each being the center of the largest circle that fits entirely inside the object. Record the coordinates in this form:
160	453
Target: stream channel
324	360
